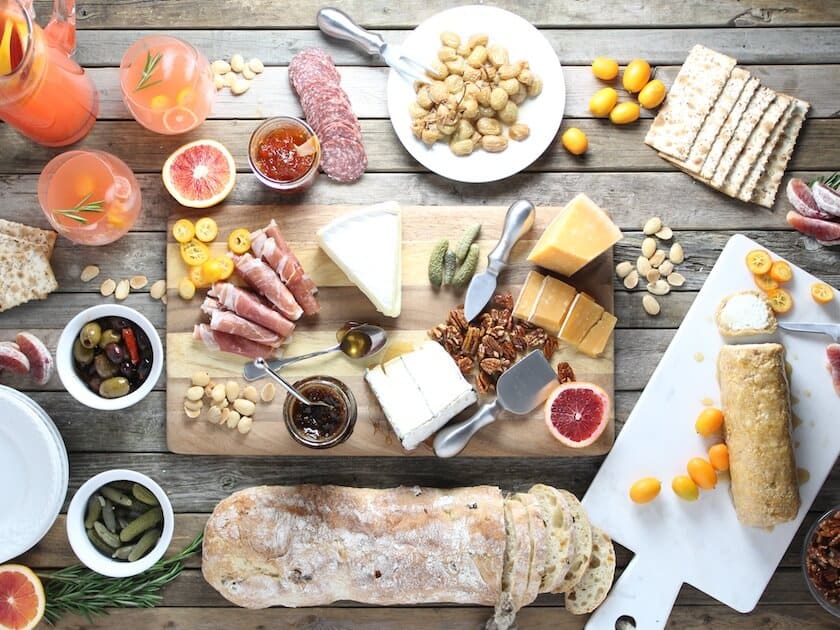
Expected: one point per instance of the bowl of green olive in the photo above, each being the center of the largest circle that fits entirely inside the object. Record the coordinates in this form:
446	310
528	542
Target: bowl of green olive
119	523
109	357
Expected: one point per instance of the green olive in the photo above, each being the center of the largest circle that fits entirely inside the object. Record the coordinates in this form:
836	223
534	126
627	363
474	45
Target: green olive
114	387
104	368
90	335
82	355
109	336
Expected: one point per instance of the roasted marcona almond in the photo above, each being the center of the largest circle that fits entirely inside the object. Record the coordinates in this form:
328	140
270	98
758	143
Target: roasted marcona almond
676	254
108	287
652	226
192	414
138	282
660	287
200	378
653	275
250	393
214	415
218	393
658	258
676	279
623	268
666	268
196	392
89	273
232	390
244	407
195	405
643	265
233	419
268	392
648	247
245	425
631	281
650	304
665	234
158	289
122	290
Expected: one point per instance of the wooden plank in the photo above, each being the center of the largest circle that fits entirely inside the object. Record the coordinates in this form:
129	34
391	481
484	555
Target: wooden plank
98	14
699	207
610	148
422	307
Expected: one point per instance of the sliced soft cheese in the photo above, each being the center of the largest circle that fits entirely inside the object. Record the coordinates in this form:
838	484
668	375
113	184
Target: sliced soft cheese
437	375
401	401
367	246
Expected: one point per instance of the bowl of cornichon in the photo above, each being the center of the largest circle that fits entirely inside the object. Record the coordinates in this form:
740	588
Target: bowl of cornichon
120	523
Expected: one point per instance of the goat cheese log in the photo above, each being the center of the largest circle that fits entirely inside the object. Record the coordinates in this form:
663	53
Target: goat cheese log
755	395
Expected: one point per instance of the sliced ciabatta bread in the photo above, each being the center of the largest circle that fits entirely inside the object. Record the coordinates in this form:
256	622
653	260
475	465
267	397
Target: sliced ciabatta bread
593	587
583	543
745	313
538	533
561	546
517	553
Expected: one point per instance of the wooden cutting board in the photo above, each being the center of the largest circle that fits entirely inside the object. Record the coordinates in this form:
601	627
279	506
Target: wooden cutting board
422	308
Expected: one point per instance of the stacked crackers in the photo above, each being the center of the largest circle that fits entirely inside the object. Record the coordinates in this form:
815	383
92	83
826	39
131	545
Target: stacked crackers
723	128
25	272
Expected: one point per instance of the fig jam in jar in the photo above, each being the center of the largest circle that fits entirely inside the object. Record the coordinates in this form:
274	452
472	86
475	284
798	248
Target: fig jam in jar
284	154
317	426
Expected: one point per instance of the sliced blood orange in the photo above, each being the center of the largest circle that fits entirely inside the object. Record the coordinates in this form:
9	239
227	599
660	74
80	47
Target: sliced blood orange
577	413
200	174
180	120
22	598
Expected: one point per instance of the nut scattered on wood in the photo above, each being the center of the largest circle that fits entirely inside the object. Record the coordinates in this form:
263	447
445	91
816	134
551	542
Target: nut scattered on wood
89	273
108	287
244	407
658	258
192	414
623	268
218	393
245	425
256	66
138	282
648	247
666	268
653	275
643	265
632	280
231	390
676	254
660	287
122	290
158	289
268	392
650	305
214	414
250	393
233	419
665	234
676	279
195	405
220	66
565	373
200	378
196	392
652	226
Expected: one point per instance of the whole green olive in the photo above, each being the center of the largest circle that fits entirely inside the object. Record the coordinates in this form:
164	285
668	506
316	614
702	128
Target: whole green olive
114	387
90	335
109	336
82	355
104	368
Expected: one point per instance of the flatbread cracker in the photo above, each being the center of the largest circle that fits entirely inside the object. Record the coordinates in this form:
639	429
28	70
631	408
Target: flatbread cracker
34	235
752	115
692	96
732	120
24	275
768	183
757	140
748	186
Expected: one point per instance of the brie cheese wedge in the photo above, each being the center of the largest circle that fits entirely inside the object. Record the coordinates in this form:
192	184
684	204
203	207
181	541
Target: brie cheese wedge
367	247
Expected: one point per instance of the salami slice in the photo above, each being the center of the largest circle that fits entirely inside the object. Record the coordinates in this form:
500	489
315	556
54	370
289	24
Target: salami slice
343	160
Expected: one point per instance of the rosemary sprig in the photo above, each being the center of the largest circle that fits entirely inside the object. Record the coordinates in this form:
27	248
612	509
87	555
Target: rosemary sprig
84	205
832	181
80	591
149	67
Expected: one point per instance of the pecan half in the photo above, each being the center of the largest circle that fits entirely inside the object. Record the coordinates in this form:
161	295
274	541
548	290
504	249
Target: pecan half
471	340
466	365
456	318
565	372
502	300
491	366
492	348
536	338
550	346
483	383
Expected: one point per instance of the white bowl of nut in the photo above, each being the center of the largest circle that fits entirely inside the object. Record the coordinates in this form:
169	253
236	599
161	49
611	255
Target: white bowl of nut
120	523
498	101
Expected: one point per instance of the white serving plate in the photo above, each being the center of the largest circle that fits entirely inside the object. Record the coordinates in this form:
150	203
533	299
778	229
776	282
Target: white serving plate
542	114
702	543
33	470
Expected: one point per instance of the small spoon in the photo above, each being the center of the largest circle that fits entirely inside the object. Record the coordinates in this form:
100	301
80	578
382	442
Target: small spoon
358	342
267	371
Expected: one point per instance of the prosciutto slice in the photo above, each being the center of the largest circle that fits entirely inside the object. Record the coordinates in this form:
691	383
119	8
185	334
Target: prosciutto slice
223	342
270	245
251	307
265	281
223	320
833	353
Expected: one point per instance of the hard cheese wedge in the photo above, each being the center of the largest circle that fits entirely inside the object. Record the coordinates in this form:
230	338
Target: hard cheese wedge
377	271
577	235
584	314
544	301
594	342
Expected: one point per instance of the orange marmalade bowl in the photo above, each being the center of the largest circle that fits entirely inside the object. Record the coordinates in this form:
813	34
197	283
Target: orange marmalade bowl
284	154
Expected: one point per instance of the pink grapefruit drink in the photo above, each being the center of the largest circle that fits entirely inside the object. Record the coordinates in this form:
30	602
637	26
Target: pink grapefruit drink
90	197
167	85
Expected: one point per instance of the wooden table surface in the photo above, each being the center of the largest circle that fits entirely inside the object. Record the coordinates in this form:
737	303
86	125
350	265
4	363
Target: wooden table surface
792	46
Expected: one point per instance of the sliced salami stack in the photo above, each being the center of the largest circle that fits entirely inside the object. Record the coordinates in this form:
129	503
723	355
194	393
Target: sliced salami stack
327	109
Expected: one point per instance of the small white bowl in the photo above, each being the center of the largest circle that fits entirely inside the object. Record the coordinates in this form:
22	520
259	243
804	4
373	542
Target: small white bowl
76	386
89	555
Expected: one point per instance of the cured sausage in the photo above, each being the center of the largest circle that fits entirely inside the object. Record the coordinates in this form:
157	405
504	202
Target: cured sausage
39	356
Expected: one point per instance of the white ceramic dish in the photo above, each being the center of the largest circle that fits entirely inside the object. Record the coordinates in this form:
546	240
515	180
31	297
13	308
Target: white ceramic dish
64	357
542	114
89	555
34	467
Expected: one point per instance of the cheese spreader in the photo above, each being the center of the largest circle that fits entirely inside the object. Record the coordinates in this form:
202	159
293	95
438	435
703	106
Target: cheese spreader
519	390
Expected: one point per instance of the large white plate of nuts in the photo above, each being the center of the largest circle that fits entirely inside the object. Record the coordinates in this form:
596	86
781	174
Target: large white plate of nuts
496	100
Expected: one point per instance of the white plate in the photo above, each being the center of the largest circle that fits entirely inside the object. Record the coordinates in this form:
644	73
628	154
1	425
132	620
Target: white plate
33	470
542	114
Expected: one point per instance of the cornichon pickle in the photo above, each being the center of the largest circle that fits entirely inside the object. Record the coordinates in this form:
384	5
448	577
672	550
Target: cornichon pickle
94	510
108	516
450	262
141	524
436	262
467	269
109	538
116	496
123	552
98	543
143	495
142	546
467	237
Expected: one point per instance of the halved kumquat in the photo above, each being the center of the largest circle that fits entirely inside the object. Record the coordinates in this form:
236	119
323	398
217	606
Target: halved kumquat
759	261
781	272
780	301
822	293
764	282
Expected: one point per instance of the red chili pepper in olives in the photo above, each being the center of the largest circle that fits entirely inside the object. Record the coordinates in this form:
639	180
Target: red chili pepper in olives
131	345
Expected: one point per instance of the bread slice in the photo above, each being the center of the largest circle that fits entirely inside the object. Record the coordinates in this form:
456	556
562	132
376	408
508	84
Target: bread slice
768	183
598	578
728	129
583	543
538	533
561	547
748	187
517	553
743	314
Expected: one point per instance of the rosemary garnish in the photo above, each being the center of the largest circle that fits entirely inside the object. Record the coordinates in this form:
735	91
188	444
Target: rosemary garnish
832	181
84	205
148	69
80	591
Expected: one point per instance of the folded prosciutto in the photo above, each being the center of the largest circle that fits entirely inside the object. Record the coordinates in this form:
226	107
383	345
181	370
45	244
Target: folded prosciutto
223	342
270	245
229	322
267	283
251	307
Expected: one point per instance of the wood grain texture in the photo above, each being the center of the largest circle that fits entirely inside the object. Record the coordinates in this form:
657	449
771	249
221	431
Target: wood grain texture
341	301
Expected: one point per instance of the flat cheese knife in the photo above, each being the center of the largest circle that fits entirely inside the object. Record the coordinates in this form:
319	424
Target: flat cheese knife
519	390
832	330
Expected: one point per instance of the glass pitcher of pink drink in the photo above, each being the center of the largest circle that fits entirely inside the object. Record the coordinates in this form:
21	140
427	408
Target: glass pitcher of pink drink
44	94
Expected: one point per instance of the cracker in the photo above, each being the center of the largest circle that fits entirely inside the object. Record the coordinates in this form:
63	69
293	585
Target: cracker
768	184
748	186
24	275
728	128
34	235
692	96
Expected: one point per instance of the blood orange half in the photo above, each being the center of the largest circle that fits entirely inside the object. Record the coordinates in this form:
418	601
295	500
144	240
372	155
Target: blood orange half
200	174
22	598
577	413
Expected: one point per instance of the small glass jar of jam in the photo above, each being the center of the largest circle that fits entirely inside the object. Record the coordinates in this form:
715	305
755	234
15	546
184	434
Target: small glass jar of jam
284	154
317	426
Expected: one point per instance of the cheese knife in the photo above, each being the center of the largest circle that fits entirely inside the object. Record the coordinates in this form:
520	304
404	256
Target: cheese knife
518	222
519	390
832	330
